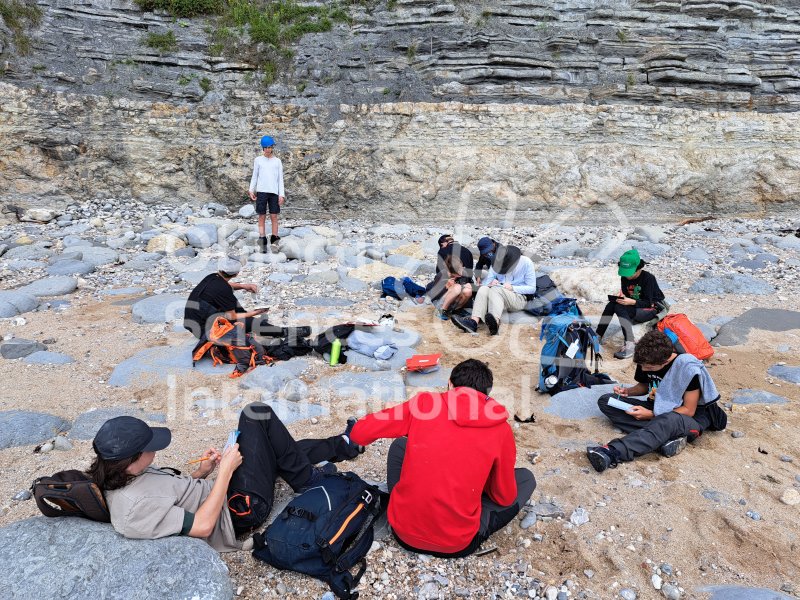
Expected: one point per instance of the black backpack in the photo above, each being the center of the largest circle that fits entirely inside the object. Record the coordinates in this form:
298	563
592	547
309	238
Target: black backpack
325	532
70	494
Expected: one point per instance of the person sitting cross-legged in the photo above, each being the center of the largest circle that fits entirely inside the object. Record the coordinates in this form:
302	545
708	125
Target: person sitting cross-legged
681	402
450	472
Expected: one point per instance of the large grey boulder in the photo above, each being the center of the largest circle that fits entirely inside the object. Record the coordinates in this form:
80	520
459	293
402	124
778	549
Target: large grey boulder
159	309
580	403
28	253
155	365
51	286
99	256
272	379
732	284
45	357
745	396
785	372
307	249
70	267
377	388
75	559
19	348
736	592
203	235
23	428
14	302
736	331
87	424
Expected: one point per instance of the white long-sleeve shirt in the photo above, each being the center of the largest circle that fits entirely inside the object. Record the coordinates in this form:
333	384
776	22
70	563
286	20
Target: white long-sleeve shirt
267	176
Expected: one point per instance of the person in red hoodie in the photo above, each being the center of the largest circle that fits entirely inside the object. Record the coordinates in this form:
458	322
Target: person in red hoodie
450	473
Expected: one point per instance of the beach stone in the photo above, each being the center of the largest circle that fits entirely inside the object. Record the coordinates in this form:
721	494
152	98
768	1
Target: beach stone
39	215
746	396
272	379
87	424
670	592
627	594
565	249
155	365
159	309
291	412
790	497
98	256
19	348
203	235
195	277
307	249
323	276
69	267
384	387
528	521
267	258
13	303
22	265
23	428
736	331
651	233
27	253
758	263
547	509
735	592
44	357
785	372
322	301
352	285
294	390
74	559
437	379
247	211
166	243
50	286
700	255
126	291
593	284
279	277
708	331
732	284
579	403
579	516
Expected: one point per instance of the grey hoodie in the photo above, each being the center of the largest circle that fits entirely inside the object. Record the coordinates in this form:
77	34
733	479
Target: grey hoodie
669	394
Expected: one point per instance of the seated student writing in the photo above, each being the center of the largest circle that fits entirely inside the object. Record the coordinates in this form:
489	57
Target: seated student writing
639	301
458	288
450	472
146	502
681	403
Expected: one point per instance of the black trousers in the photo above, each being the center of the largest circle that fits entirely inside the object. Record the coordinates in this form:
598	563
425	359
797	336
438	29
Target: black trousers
649	435
493	516
627	316
268	452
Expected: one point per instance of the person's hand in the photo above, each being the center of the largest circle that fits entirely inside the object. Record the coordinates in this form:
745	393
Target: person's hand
493	283
626	301
281	200
250	287
508	286
259	311
252	196
207	466
449	283
640	413
620	390
231	460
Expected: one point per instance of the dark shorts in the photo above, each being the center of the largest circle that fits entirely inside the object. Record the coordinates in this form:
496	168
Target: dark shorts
264	199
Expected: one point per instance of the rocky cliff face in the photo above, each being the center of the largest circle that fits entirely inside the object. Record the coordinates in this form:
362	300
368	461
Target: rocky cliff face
420	109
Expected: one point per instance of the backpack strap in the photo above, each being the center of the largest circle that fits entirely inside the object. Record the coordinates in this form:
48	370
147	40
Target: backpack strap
300	512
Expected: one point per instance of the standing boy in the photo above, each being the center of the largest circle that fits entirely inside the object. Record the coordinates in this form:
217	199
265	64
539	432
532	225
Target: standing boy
266	190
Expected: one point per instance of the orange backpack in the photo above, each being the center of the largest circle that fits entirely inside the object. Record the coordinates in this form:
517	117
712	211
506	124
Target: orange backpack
685	336
228	344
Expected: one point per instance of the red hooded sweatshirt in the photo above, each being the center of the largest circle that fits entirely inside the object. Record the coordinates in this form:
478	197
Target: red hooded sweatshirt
460	445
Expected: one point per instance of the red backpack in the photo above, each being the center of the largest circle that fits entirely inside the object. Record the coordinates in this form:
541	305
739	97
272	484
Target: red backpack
685	336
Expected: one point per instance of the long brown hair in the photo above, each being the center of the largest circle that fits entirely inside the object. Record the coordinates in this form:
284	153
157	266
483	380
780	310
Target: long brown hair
110	474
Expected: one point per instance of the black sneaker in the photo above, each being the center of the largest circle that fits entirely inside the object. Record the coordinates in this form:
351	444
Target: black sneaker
262	245
353	448
673	447
317	475
491	323
602	457
465	324
274	239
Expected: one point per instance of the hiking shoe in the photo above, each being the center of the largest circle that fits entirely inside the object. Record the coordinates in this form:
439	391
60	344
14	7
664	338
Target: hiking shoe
262	245
465	324
602	457
443	315
626	351
274	239
673	447
693	435
355	449
317	475
492	324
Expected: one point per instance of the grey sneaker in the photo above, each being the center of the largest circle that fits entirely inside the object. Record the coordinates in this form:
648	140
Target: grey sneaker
626	351
673	447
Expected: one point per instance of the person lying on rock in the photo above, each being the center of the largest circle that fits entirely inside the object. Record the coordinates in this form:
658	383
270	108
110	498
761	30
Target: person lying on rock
147	502
441	286
640	300
680	402
509	285
214	297
450	472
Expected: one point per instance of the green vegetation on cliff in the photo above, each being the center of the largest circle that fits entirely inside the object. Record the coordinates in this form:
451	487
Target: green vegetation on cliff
19	15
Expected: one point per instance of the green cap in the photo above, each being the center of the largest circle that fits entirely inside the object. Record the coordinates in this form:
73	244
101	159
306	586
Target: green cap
629	262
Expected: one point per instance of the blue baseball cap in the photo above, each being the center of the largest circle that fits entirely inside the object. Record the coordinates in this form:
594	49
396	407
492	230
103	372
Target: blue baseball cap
486	246
267	142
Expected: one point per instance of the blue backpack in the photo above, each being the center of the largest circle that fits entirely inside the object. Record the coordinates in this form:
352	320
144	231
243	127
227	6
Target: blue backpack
400	289
325	531
569	342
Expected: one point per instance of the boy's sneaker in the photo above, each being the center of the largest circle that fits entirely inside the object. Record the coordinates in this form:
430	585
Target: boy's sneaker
602	457
354	448
465	324
673	447
626	351
443	314
317	475
491	323
274	239
262	245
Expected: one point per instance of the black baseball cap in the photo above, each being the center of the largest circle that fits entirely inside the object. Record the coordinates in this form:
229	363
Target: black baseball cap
123	437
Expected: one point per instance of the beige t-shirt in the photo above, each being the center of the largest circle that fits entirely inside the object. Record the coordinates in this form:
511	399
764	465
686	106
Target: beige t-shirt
156	503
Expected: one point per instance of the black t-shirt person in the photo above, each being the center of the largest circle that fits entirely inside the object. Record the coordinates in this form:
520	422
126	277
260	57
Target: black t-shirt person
654	378
212	296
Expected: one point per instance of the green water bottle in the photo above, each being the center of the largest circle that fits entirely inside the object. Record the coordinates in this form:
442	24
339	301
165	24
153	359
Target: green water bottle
336	350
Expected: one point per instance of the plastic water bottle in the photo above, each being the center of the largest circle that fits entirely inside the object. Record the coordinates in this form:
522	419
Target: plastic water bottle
550	381
336	350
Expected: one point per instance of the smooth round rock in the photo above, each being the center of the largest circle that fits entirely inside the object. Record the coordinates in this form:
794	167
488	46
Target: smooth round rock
69	267
23	428
51	286
44	357
159	309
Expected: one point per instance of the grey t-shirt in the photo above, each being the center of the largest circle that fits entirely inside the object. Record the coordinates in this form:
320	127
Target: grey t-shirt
158	504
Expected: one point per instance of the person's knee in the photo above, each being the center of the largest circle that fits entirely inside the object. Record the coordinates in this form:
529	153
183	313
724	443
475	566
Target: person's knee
483	292
526	484
602	401
397	447
257	411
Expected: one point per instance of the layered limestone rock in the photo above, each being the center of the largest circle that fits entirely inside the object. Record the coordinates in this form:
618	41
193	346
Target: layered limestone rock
431	109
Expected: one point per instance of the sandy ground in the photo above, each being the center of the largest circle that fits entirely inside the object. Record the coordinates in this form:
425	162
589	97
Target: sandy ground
648	510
